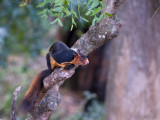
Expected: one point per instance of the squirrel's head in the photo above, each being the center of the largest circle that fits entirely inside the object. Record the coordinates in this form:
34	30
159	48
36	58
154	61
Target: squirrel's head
80	59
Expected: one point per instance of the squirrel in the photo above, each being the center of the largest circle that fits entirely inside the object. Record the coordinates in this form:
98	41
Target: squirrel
59	55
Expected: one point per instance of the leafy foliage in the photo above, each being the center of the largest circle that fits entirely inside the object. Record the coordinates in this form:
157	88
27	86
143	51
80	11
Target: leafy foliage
14	75
21	31
66	8
96	110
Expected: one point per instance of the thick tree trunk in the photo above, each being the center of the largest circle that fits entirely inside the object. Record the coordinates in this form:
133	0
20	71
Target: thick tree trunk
134	73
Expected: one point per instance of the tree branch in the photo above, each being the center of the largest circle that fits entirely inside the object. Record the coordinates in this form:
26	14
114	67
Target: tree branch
13	104
96	36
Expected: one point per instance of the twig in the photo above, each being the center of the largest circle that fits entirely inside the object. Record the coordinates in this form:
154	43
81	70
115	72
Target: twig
13	104
154	13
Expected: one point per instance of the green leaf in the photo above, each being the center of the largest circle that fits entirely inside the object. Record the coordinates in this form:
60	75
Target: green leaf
79	8
58	9
74	13
100	18
97	10
71	27
79	5
62	14
85	7
85	19
88	13
55	14
40	12
107	14
60	23
94	4
48	1
22	4
54	21
67	2
90	1
45	11
41	4
59	3
94	20
73	22
68	13
102	4
50	12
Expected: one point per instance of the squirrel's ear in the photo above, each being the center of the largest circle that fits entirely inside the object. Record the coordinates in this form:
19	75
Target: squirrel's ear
78	51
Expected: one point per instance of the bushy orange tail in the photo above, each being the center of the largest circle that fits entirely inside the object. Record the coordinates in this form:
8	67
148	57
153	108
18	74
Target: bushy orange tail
34	90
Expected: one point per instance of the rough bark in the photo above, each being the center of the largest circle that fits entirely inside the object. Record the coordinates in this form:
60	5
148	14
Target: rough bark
134	74
96	36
